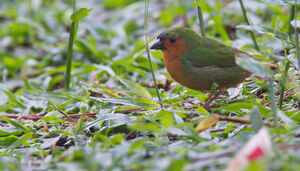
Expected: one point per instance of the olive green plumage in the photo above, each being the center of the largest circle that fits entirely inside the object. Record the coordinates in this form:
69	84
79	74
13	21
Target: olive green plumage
207	62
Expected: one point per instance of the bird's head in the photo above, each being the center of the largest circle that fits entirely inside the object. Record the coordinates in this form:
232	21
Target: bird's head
174	38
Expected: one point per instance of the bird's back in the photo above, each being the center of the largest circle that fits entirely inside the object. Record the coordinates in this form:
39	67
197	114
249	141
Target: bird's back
208	61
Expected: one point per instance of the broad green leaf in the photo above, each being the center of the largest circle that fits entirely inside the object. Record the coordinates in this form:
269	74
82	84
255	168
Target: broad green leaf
82	46
21	141
288	121
166	118
246	62
6	141
245	105
52	119
4	133
256	119
177	165
14	123
80	14
14	99
9	131
138	144
136	88
265	30
116	139
151	127
115	121
200	109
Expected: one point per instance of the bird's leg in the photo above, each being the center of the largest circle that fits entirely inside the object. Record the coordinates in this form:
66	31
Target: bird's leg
220	91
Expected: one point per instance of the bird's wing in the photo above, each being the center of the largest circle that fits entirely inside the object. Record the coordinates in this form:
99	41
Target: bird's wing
208	52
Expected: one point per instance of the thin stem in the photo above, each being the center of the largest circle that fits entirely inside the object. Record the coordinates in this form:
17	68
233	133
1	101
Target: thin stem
248	23
292	15
147	50
60	111
70	51
285	75
283	82
201	21
70	55
273	101
296	36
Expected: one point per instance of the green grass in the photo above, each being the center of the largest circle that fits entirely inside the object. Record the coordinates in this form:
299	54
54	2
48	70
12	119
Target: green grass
111	116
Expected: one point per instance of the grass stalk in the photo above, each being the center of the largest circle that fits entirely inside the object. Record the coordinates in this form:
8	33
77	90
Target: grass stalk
248	23
296	36
147	49
201	21
285	75
60	111
271	92
292	15
70	51
283	82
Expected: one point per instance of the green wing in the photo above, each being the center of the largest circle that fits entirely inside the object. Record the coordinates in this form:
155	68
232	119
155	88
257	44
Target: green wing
205	52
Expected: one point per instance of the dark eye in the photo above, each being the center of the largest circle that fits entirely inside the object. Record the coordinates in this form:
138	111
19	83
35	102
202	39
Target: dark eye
172	39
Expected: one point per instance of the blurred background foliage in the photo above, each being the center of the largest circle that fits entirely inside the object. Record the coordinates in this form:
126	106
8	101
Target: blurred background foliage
111	73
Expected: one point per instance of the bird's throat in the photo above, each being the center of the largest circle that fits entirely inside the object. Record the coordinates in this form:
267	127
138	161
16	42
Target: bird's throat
173	65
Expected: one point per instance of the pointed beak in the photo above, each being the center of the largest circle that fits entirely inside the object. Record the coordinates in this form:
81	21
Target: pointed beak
158	45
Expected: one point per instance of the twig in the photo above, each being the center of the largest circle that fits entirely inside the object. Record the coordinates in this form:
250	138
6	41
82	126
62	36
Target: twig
132	110
217	130
129	134
240	120
45	126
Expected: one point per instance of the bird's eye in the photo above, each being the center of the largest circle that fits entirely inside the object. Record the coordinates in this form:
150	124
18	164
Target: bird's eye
172	39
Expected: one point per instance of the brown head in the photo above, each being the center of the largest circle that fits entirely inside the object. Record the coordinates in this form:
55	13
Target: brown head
171	45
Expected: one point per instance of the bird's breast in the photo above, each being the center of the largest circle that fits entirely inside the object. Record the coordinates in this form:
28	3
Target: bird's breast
181	73
174	68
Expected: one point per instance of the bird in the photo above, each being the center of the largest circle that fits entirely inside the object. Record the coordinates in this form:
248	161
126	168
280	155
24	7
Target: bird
200	63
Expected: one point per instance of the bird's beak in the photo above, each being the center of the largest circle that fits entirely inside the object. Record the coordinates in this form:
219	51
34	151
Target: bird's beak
158	45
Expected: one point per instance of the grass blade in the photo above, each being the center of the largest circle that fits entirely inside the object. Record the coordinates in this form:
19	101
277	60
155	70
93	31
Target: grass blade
282	85
296	36
292	15
271	92
136	88
247	21
14	123
147	49
201	21
70	51
21	141
256	119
